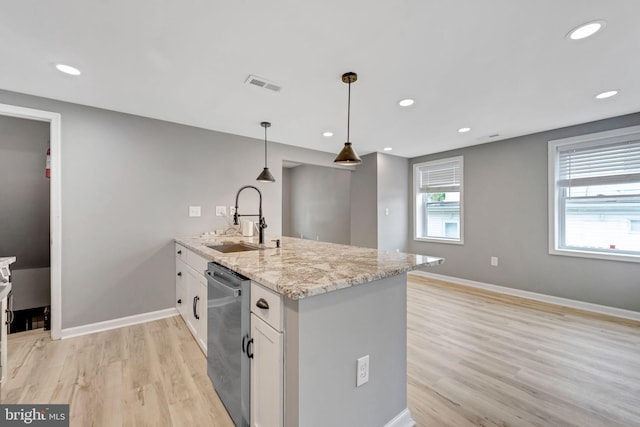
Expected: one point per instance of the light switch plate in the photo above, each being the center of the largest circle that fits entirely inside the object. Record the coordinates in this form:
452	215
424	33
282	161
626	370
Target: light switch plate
195	211
221	210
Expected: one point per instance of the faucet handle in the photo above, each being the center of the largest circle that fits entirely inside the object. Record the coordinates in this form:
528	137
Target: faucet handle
277	242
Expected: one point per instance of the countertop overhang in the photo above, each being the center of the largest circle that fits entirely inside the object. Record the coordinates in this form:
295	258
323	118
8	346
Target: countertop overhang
5	288
304	268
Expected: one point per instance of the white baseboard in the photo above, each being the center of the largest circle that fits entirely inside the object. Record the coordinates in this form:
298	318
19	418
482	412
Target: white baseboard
565	302
118	323
403	419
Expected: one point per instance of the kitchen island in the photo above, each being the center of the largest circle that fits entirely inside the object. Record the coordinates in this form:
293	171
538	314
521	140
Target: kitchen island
330	306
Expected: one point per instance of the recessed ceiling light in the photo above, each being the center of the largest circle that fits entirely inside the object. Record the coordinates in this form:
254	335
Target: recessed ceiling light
387	148
68	69
463	130
406	102
327	134
585	30
607	94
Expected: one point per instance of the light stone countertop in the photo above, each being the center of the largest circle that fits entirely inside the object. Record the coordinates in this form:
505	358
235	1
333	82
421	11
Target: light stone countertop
5	287
303	268
5	261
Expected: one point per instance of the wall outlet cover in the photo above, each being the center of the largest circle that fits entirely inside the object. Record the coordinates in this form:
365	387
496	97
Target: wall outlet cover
195	211
221	210
494	261
362	371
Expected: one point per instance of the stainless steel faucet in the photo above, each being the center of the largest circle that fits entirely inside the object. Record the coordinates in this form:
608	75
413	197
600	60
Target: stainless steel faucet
262	224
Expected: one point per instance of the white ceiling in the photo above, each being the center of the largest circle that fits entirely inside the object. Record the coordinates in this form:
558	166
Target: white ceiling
497	66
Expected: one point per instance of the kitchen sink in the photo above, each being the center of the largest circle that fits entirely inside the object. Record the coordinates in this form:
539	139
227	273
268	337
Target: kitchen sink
233	247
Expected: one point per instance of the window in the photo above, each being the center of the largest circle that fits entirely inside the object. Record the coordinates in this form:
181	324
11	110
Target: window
594	195
438	200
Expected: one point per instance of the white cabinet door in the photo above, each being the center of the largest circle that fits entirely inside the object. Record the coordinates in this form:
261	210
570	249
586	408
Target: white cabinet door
201	311
193	289
182	303
267	375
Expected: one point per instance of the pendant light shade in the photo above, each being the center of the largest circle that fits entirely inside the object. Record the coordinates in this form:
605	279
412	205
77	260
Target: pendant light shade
348	155
265	175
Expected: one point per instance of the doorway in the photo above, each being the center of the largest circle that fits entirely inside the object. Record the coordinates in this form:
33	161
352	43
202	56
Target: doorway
54	120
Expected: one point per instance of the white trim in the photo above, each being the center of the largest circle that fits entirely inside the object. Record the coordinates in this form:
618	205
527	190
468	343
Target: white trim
553	197
55	122
564	302
403	419
118	323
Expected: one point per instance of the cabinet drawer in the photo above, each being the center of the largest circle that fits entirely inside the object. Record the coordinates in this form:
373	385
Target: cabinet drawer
196	262
181	252
271	315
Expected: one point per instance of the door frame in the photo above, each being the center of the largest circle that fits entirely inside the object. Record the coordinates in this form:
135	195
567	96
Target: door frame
55	213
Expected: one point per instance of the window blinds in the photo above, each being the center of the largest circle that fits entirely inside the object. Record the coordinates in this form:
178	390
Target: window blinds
601	164
440	177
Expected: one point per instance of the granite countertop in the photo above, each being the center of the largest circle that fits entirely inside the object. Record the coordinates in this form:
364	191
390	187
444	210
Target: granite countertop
5	287
303	268
5	261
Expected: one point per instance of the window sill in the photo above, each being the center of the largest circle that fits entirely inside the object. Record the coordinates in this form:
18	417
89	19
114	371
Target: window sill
437	240
595	255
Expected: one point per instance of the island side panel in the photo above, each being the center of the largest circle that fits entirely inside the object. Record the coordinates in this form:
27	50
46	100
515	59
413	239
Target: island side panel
332	331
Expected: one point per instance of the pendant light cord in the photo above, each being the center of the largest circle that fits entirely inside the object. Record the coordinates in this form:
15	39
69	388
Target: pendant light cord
265	146
349	111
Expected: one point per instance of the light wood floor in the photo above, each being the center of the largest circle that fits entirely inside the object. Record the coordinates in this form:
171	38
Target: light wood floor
152	374
480	358
474	358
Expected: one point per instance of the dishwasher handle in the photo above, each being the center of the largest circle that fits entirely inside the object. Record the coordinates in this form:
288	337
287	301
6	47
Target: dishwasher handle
236	292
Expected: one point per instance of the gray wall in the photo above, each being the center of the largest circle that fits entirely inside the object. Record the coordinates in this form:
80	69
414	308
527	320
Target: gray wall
331	331
24	209
392	194
286	202
380	182
364	203
319	202
127	182
505	214
24	192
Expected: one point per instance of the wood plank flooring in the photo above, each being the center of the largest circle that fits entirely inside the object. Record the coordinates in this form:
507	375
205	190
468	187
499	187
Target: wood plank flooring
152	374
481	358
474	359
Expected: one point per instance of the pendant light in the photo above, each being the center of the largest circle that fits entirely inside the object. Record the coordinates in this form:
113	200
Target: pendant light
265	175
348	155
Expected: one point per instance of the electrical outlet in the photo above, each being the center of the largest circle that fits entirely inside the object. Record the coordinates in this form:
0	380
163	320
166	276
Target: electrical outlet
386	211
195	211
494	261
362	371
232	210
221	210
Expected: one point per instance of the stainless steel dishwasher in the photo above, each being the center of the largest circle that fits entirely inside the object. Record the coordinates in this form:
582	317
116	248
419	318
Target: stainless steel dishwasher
228	340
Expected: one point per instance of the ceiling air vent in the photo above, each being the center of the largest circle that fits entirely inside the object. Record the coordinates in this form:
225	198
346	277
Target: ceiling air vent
263	83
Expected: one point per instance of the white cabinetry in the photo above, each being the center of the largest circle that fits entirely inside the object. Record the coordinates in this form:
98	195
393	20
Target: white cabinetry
191	293
267	364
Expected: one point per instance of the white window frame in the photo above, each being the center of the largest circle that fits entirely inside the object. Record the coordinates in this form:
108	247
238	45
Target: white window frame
612	136
416	191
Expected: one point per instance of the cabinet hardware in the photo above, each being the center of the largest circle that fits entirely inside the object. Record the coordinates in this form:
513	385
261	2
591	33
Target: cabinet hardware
180	301
262	303
179	252
250	349
195	310
180	273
